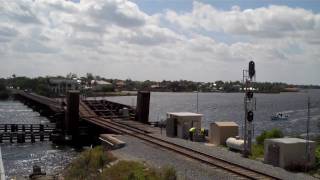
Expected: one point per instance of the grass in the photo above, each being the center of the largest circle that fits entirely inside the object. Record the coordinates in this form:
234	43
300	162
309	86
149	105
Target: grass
257	151
132	170
316	170
96	164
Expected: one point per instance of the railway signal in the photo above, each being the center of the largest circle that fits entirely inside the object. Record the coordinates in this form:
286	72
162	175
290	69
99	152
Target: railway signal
249	103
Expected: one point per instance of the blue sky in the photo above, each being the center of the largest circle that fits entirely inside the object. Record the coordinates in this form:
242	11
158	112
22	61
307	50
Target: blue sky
157	6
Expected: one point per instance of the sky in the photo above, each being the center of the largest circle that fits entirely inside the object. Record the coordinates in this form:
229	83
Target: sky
203	40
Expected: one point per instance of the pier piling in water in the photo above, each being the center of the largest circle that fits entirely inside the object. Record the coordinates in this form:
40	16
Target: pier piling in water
21	137
33	138
41	136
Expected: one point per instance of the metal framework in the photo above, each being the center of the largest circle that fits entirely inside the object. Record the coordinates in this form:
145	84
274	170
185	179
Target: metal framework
249	106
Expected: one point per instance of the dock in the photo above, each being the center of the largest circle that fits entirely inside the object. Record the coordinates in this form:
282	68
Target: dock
21	133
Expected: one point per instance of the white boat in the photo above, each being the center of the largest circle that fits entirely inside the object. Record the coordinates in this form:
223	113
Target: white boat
279	117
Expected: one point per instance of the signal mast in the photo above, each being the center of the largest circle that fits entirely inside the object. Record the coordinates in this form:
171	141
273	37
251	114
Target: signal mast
249	106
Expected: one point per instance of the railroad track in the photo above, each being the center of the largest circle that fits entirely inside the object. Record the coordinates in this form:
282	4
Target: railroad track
235	169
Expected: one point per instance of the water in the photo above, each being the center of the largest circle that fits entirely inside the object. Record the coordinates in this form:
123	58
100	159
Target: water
229	107
18	159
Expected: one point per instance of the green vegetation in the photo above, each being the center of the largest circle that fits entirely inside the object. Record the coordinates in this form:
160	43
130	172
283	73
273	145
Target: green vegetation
274	133
257	151
87	165
41	85
258	148
316	170
124	170
318	155
99	164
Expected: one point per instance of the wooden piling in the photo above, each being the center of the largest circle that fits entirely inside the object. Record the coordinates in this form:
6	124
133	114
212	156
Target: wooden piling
11	137
41	136
142	109
33	138
21	137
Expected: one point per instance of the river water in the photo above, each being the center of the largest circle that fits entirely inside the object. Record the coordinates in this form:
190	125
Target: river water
230	107
18	159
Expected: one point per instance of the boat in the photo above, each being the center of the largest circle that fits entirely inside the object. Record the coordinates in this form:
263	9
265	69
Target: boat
279	117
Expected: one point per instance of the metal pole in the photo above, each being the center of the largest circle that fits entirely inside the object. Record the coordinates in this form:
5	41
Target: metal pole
308	125
245	153
198	100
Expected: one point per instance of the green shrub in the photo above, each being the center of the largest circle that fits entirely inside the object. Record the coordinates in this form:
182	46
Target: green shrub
93	164
88	163
132	170
128	170
317	155
274	133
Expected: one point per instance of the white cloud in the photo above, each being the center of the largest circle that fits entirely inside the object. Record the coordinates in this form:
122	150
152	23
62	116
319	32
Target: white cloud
268	22
117	39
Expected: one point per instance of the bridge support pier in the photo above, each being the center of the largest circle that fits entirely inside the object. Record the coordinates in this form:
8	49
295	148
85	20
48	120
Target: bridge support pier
142	109
72	116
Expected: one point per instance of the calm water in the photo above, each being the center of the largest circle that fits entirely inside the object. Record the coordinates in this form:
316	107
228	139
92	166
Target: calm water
229	107
18	159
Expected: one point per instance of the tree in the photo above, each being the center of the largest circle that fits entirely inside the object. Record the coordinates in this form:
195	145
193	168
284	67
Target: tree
89	77
71	75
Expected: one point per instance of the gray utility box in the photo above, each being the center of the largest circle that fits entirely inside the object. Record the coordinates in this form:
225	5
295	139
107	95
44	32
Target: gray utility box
179	123
289	152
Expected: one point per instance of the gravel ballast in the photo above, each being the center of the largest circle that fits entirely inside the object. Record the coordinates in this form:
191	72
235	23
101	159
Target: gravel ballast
155	156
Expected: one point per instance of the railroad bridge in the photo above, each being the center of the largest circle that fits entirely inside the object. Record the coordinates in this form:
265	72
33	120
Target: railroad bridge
81	120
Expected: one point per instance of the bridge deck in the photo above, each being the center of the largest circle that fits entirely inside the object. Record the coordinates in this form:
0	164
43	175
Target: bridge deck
53	104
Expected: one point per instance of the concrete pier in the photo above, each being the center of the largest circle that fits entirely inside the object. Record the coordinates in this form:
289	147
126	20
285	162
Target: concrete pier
142	109
71	122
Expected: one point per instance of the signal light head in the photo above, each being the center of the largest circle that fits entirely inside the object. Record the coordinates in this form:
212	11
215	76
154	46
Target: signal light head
252	70
250	116
249	94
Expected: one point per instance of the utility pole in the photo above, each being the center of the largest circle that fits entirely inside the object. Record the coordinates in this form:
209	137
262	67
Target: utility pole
249	107
198	100
308	138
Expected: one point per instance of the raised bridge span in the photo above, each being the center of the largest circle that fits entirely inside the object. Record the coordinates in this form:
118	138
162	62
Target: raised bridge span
105	114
